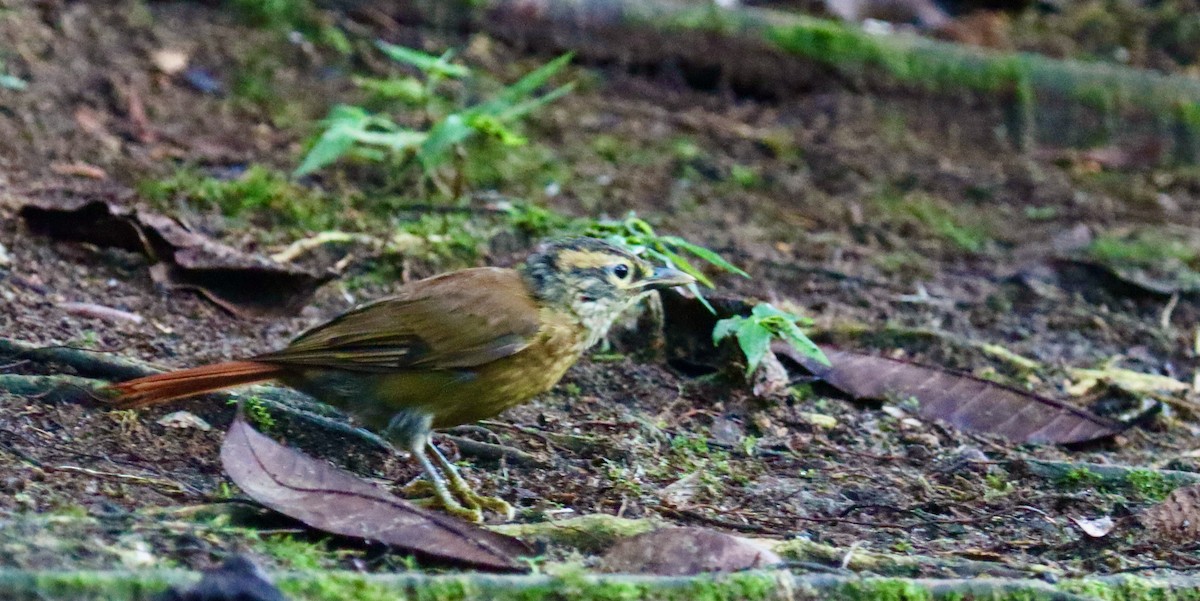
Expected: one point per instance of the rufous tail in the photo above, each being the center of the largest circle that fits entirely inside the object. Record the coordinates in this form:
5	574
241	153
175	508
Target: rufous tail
160	388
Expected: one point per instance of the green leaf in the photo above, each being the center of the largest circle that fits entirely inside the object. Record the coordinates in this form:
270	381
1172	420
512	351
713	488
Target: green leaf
705	254
329	148
521	109
533	80
434	65
446	134
802	343
755	341
726	327
408	90
765	311
685	266
493	127
396	141
345	127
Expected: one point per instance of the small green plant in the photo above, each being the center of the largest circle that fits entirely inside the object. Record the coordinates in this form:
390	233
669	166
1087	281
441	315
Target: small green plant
444	126
755	332
256	413
10	82
272	13
225	490
299	16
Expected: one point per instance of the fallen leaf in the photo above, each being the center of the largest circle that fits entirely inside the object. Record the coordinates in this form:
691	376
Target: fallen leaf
332	500
1097	528
1177	518
170	61
183	420
1125	379
686	551
79	169
681	492
963	401
242	284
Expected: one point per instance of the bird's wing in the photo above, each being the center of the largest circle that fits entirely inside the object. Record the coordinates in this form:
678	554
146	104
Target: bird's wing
454	321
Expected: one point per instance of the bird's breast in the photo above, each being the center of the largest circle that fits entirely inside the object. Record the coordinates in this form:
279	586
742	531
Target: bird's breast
517	378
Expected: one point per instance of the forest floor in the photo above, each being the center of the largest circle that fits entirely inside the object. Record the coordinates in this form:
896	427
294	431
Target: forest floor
895	235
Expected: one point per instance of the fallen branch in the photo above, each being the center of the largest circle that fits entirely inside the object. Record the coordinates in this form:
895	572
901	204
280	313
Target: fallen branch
1101	474
777	585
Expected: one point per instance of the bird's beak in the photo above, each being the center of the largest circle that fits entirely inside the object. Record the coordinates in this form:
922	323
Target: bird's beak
665	277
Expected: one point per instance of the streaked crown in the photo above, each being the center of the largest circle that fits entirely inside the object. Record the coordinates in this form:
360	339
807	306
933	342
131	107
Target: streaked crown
594	280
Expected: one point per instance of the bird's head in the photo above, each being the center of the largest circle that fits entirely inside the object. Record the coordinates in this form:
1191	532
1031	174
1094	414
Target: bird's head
594	280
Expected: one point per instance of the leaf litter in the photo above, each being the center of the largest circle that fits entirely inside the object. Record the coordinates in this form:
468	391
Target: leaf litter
240	283
333	500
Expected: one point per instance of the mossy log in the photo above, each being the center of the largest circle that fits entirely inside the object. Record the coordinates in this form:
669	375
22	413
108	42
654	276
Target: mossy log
19	585
1033	98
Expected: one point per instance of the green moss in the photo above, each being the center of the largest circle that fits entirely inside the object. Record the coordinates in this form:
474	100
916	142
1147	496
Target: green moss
296	554
1132	588
576	585
259	193
1142	248
1080	477
885	589
1150	484
746	177
936	218
589	534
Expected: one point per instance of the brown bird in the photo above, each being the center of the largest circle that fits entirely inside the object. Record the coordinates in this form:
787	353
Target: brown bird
447	350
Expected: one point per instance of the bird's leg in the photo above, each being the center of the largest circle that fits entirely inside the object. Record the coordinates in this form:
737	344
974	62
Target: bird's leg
463	491
411	429
441	493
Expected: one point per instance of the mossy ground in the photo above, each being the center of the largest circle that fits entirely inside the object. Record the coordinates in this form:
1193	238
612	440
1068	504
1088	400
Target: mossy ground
859	211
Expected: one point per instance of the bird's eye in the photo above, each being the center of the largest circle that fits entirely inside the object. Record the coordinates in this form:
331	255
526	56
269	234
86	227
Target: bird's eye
621	270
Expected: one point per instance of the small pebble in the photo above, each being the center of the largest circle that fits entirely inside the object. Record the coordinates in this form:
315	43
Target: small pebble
184	419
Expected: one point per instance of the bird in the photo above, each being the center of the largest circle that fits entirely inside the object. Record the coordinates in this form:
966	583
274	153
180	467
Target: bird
443	351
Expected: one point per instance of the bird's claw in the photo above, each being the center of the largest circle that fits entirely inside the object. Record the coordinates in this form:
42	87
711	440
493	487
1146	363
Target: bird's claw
463	502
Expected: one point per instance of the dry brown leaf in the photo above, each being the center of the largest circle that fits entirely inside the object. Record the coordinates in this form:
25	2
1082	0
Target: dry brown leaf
961	400
332	500
686	551
242	284
1177	517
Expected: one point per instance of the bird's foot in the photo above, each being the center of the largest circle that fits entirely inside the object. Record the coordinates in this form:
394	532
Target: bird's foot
462	502
454	508
495	505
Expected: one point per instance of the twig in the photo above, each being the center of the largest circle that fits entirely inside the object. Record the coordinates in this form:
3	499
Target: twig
94	364
102	312
495	452
300	247
161	482
1164	320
